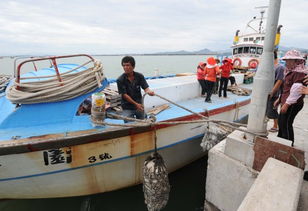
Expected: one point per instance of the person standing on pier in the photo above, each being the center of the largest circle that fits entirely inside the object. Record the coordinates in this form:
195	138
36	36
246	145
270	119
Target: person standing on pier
211	71
201	77
271	111
304	89
291	98
129	84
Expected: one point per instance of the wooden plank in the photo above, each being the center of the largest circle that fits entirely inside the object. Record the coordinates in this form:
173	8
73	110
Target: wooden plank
158	109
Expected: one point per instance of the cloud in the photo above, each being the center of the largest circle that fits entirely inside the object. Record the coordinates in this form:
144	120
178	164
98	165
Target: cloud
135	26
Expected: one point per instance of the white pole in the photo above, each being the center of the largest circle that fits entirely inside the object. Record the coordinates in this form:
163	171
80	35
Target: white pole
264	78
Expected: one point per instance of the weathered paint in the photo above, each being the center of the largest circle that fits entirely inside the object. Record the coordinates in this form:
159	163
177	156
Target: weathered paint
142	142
122	169
102	159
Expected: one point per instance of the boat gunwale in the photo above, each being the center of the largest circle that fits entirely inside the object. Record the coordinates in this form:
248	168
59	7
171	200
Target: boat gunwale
37	143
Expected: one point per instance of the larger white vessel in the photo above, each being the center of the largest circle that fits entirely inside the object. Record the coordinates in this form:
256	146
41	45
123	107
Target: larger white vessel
248	46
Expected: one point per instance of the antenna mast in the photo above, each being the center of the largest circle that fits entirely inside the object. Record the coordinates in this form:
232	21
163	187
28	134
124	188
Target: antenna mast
262	11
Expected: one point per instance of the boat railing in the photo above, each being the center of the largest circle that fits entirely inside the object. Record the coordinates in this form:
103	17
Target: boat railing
53	63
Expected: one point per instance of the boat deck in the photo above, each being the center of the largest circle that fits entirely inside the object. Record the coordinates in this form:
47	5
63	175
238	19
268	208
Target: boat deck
83	123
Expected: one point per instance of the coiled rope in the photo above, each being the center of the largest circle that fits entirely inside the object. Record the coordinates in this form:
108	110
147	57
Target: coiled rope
4	80
53	90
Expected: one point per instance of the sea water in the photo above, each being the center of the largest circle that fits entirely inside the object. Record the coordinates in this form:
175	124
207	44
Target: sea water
187	194
149	65
187	184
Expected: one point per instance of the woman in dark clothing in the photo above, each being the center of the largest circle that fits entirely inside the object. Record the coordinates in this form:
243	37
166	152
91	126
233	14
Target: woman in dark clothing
291	98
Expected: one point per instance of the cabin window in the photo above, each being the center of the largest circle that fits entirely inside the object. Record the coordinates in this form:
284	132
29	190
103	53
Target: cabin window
246	39
246	49
235	51
253	50
240	50
262	38
250	38
258	38
259	50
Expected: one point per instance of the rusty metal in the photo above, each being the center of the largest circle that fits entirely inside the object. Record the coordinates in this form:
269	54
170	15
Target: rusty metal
53	59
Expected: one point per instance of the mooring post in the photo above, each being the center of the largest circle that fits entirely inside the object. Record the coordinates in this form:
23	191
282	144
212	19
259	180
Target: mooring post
264	78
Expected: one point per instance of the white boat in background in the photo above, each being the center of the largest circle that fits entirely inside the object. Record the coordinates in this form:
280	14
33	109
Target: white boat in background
248	46
46	150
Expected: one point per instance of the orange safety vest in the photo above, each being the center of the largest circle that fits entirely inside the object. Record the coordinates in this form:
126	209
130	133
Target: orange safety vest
210	73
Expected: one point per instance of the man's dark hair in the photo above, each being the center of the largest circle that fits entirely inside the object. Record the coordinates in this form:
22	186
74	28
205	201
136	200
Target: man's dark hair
128	59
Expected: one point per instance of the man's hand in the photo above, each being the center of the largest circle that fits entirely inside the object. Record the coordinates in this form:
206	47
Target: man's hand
304	90
139	107
151	93
284	108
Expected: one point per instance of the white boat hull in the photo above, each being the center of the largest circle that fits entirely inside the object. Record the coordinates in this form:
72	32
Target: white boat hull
101	166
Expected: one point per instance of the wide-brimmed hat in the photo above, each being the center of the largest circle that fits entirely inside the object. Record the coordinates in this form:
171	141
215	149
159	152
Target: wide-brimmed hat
211	62
293	54
201	63
227	60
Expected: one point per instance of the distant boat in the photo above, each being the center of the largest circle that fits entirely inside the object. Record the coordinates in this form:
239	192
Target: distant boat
248	46
47	150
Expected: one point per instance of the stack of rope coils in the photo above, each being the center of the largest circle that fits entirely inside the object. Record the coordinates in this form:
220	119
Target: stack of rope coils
53	90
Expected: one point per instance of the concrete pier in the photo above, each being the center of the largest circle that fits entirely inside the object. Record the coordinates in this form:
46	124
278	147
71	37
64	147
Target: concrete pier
232	166
268	194
301	142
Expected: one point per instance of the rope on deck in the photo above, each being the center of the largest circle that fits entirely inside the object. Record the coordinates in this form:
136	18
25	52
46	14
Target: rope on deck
53	90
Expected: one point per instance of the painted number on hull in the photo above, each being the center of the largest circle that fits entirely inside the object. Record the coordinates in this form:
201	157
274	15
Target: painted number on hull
104	156
57	156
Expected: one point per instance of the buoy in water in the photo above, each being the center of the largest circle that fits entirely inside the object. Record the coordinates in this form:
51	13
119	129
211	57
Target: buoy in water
156	186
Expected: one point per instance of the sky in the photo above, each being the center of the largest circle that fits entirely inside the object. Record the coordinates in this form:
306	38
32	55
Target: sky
136	26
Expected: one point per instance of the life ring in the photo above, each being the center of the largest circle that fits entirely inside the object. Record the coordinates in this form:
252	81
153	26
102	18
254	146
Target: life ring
253	63
237	62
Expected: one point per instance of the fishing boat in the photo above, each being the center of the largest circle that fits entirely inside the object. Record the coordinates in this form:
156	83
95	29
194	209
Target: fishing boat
47	149
247	46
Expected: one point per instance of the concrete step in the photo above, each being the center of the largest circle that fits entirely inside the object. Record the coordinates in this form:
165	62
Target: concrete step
277	188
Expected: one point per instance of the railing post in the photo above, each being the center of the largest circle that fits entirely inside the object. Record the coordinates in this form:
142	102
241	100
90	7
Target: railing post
54	62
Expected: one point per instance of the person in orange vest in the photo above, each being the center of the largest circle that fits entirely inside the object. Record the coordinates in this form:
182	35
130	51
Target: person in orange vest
226	68
201	77
211	71
216	85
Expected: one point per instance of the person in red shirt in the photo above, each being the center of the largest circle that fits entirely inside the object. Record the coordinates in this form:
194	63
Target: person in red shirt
211	70
201	77
226	69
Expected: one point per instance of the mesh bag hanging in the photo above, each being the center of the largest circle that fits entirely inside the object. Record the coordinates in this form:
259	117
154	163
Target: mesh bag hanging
156	186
